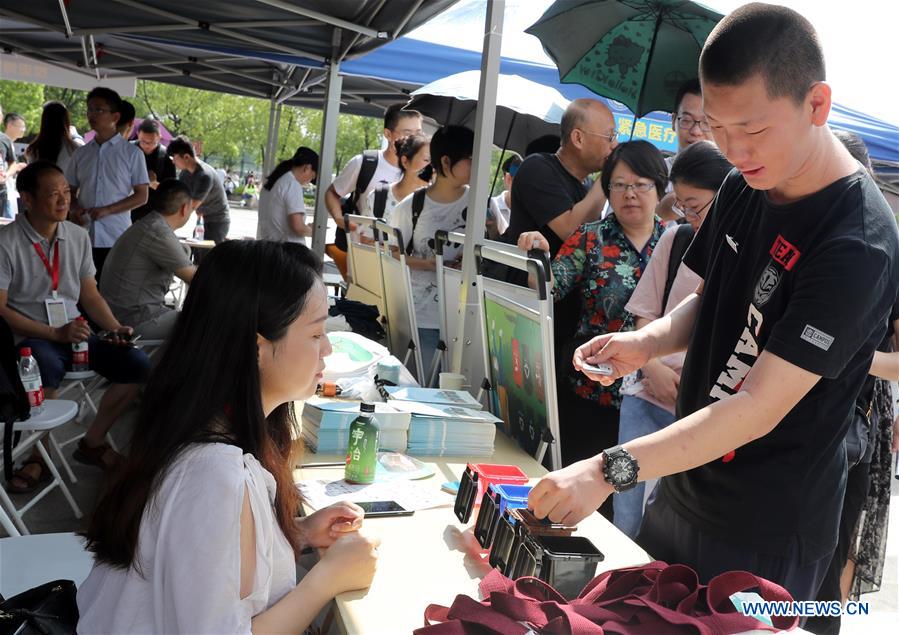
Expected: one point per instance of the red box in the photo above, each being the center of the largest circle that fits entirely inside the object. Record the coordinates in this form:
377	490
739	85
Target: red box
491	474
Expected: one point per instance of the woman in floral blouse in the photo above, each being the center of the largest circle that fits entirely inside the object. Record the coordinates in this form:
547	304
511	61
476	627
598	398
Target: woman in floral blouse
603	261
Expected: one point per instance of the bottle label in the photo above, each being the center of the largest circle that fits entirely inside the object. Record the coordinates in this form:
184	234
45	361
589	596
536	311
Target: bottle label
80	355
362	452
35	392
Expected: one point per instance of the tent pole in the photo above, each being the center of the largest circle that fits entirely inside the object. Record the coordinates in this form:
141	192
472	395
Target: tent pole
327	154
502	155
464	359
276	131
266	160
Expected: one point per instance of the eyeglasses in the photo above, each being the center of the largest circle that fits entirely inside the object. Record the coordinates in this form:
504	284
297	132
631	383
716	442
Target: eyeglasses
608	137
97	111
678	208
639	188
687	123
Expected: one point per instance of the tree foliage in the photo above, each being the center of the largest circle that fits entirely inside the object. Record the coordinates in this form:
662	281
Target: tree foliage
231	129
24	99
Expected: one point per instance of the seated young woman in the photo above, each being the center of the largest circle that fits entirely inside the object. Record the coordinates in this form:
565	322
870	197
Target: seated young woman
198	531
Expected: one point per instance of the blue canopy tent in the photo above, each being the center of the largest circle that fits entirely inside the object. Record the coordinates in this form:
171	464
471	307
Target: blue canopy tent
417	62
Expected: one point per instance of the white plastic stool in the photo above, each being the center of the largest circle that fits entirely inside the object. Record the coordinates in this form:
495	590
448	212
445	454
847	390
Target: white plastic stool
56	412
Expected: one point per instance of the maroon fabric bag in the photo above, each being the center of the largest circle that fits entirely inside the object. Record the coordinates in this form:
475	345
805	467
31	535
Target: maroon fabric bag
655	599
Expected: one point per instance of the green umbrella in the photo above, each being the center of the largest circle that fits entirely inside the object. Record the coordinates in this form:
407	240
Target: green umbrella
638	52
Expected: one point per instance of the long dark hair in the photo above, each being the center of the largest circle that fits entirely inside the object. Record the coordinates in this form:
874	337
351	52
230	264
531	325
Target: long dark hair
207	387
303	156
53	135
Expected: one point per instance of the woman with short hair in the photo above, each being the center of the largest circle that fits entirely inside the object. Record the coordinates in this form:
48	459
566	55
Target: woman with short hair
603	261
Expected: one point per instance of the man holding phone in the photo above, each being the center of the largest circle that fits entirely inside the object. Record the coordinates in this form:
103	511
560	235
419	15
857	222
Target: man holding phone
46	272
799	258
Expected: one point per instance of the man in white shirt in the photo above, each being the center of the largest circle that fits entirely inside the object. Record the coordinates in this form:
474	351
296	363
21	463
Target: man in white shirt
398	123
109	174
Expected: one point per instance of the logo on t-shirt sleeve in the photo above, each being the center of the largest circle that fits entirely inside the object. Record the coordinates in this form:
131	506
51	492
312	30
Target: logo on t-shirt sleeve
817	337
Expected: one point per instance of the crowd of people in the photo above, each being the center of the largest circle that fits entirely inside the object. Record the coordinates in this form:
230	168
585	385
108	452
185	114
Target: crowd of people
746	425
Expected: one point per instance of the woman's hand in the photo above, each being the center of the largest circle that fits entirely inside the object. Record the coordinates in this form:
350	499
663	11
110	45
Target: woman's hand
349	563
533	240
661	383
325	526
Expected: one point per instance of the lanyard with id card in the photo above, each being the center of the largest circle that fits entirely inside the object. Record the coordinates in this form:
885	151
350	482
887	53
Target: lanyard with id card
56	308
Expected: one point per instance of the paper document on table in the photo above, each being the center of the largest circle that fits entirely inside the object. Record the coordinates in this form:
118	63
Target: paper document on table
412	495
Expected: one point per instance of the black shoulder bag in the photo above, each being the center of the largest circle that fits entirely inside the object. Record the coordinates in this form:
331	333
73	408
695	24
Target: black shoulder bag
349	205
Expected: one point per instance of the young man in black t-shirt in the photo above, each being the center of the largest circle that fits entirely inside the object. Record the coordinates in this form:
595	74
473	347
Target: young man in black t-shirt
799	258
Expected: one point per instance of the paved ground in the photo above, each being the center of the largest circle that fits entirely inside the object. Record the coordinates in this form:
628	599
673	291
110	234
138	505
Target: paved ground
54	515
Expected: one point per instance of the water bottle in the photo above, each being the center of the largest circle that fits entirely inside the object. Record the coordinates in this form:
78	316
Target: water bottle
199	230
80	359
362	449
31	379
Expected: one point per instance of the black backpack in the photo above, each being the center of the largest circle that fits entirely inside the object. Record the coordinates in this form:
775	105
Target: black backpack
380	203
418	204
682	240
13	400
349	204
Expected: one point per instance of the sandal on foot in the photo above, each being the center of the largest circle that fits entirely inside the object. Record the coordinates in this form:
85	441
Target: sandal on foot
101	456
31	482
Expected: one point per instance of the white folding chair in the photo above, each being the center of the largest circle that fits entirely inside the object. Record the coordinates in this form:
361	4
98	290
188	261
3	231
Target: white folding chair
56	412
29	561
82	383
7	524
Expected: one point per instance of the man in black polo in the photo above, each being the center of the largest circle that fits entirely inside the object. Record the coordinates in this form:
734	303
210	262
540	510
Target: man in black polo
159	166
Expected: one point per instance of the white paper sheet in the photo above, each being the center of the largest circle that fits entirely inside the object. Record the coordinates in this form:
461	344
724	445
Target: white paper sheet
412	495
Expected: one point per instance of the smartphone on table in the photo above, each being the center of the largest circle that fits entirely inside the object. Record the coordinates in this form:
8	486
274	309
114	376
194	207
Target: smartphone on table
379	509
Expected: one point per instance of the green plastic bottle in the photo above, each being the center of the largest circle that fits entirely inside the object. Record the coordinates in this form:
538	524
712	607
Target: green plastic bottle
362	449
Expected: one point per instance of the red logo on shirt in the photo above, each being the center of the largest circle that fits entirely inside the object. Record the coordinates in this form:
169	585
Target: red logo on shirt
784	252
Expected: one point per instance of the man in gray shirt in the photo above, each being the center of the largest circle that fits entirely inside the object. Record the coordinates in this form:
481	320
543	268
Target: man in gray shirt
139	269
46	273
207	192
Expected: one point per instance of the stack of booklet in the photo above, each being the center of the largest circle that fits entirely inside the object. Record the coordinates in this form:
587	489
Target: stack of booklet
326	425
432	396
439	429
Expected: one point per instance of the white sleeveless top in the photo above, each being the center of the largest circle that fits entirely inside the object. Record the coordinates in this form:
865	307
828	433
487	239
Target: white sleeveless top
189	553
